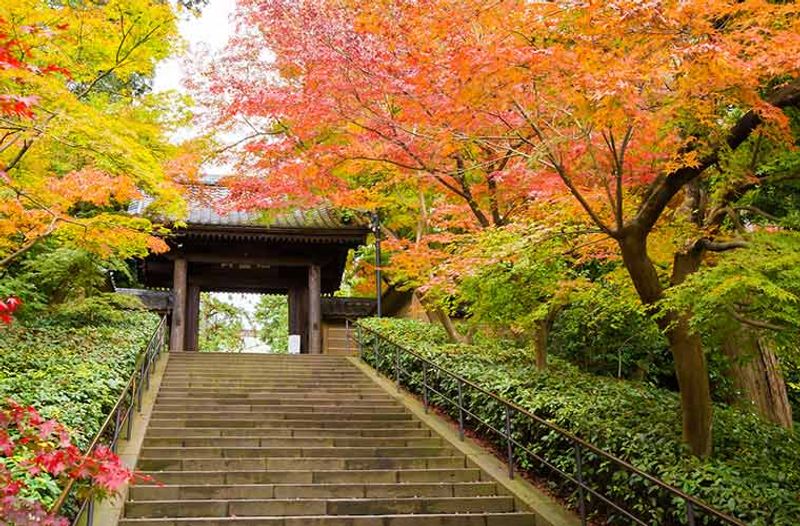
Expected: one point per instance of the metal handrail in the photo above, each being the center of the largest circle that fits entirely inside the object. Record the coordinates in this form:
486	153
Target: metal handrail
693	505
120	415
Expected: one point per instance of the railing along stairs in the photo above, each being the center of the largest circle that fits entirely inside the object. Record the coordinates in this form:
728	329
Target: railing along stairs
514	431
118	423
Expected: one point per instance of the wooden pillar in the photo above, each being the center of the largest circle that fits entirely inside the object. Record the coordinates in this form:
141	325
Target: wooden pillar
298	315
177	331
314	310
192	334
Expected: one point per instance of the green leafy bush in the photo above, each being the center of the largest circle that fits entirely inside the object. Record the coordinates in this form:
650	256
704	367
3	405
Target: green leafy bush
606	331
754	473
73	373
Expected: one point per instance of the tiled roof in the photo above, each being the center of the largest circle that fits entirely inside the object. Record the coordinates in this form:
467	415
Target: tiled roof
203	210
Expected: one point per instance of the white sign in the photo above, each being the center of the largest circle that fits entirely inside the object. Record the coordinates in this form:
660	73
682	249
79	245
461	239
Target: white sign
294	344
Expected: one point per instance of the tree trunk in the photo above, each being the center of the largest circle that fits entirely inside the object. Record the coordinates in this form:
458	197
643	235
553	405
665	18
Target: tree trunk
687	351
695	390
756	376
541	333
437	315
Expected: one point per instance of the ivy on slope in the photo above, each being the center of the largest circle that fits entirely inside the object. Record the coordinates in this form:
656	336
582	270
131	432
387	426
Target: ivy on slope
754	473
73	374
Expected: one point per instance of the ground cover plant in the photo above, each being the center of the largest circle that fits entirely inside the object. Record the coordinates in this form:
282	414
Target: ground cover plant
73	374
61	373
753	476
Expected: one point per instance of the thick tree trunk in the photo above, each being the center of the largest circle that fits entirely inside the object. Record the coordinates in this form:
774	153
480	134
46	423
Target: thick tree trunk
757	378
542	334
440	316
687	351
695	390
437	315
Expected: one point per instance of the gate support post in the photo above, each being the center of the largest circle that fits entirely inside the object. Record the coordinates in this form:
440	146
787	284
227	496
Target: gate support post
178	329
314	310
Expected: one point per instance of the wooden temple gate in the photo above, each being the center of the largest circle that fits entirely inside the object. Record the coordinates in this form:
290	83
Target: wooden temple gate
302	255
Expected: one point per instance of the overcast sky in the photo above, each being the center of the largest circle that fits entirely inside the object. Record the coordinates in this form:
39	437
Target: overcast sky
210	31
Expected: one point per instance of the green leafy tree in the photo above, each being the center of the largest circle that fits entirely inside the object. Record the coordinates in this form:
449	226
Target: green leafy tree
221	325
272	317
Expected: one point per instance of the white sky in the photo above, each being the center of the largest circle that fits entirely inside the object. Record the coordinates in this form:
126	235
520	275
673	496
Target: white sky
210	32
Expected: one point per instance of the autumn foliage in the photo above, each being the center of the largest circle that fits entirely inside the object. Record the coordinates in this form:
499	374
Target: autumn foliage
79	136
31	446
452	117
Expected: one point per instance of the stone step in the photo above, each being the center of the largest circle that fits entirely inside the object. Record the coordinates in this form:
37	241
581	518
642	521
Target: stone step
270	391
284	422
266	414
255	370
267	383
316	476
304	452
272	378
313	491
283	507
276	387
464	519
267	431
284	441
321	406
277	400
229	357
285	463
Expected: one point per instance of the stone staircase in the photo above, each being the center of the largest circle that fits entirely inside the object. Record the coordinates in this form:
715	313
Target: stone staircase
237	439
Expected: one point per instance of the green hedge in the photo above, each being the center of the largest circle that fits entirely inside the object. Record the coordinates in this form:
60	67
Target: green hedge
754	473
72	373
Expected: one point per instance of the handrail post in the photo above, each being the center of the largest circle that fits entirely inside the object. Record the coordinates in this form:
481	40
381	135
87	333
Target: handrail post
460	410
397	367
579	476
131	408
146	370
358	342
425	385
140	392
377	354
347	335
115	435
509	444
90	512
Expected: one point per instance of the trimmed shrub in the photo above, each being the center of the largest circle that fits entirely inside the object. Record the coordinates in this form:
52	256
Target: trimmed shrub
753	475
70	373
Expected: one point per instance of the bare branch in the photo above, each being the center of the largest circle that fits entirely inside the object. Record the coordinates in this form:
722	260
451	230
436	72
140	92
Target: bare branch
721	246
757	324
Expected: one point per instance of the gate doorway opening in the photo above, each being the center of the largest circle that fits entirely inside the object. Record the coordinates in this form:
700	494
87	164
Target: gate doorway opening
243	323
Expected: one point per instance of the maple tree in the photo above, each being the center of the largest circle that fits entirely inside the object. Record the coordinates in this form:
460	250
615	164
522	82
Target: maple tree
31	446
79	135
625	113
7	308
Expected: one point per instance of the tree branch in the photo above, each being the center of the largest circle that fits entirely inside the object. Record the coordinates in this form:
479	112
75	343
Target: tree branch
668	186
721	246
757	324
30	243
